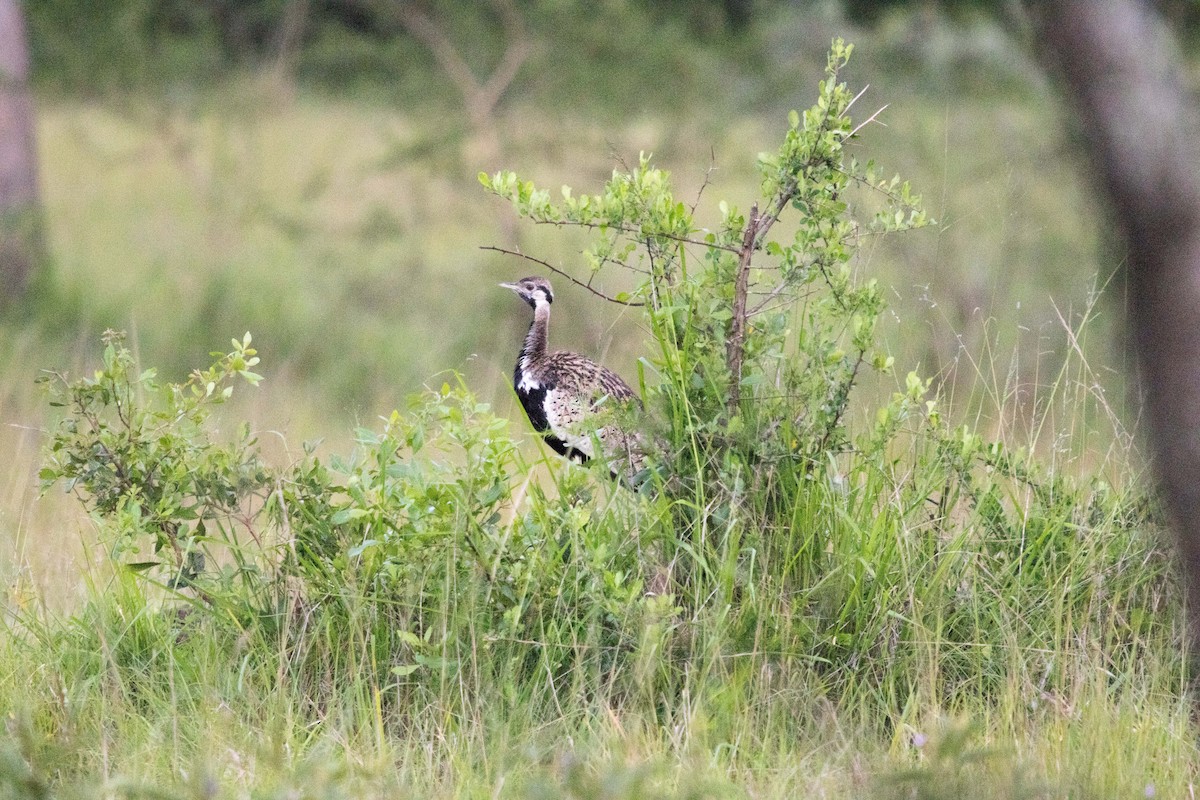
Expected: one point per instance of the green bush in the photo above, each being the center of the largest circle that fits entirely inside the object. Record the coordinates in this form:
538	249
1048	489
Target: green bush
794	541
840	543
138	452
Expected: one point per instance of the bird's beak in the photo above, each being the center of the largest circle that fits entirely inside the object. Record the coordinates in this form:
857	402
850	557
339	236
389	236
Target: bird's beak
512	286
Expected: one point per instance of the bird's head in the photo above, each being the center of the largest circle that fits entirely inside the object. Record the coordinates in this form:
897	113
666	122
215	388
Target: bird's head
532	290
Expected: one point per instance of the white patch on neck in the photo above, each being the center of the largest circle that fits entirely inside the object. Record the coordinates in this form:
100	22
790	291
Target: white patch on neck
527	382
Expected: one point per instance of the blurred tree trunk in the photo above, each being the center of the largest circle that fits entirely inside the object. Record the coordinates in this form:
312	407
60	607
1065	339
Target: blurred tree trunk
1121	72
20	217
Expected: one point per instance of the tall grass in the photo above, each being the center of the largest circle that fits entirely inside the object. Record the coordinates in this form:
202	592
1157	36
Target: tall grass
1056	673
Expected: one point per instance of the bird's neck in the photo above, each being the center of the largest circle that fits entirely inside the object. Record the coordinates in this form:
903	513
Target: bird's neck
535	341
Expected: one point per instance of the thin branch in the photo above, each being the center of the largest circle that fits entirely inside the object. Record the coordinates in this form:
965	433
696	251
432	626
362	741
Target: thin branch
290	36
768	221
517	50
771	310
771	295
841	393
423	28
606	260
854	100
479	96
712	165
867	121
757	228
506	71
557	271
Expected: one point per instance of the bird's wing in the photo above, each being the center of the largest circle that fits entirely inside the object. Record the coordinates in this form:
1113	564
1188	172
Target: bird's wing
610	383
580	375
579	392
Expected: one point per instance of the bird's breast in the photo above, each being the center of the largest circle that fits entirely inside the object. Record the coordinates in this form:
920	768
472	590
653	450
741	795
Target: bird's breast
565	417
533	399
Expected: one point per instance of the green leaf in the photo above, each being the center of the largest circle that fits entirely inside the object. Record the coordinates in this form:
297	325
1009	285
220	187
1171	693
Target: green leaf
407	637
359	549
347	514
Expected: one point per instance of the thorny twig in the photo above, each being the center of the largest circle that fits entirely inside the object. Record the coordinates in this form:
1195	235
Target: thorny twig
756	229
867	122
771	295
842	392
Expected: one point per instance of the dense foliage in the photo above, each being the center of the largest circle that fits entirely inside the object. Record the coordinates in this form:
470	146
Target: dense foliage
117	45
114	44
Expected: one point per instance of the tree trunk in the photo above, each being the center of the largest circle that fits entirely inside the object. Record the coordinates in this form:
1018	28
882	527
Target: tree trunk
1119	68
20	215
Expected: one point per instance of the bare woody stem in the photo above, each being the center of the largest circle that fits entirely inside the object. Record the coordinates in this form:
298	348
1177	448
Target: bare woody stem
735	348
1134	109
757	227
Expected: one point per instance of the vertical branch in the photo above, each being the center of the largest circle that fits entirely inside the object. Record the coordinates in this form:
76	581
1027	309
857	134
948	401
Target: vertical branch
756	228
289	39
422	28
517	49
735	348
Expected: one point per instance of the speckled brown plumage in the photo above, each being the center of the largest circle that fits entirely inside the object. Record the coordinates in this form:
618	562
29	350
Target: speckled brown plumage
567	395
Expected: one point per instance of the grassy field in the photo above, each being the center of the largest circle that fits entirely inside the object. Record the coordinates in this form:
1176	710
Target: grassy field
856	646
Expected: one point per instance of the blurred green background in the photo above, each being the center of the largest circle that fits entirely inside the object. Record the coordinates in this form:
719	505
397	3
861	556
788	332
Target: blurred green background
305	170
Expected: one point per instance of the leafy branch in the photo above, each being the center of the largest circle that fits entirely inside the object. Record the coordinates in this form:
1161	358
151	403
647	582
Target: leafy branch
136	451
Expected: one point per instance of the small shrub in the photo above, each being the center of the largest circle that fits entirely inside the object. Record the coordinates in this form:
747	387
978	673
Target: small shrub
138	453
408	534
